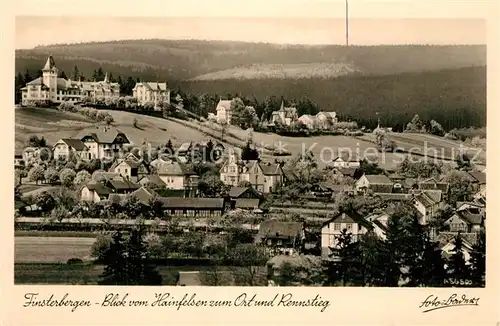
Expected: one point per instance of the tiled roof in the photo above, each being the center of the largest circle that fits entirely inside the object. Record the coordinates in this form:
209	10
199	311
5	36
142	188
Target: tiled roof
435	195
179	202
346	157
476	219
270	168
123	184
98	187
445	237
153	179
378	179
348	217
75	143
49	64
275	228
348	171
104	136
226	104
133	164
394	196
103	175
143	195
184	147
173	168
479	177
37	81
237	191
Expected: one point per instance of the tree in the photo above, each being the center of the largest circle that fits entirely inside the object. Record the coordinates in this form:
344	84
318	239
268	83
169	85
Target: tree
37	173
248	153
457	265
81	177
51	175
62	74
132	207
478	260
75	74
345	252
156	207
115	260
249	261
415	125
101	246
45	201
34	141
237	109
140	271
249	118
67	176
460	185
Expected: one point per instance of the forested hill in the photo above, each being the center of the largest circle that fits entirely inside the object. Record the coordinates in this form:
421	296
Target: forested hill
184	59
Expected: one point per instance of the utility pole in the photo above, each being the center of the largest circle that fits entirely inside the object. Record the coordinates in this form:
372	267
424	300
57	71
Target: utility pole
346	23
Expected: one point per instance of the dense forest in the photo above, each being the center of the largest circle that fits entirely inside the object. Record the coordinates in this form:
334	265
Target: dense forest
178	60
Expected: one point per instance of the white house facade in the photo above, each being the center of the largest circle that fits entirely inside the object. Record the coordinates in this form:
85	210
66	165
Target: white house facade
151	92
50	88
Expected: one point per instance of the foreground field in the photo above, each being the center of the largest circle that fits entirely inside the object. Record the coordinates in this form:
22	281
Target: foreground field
51	249
88	274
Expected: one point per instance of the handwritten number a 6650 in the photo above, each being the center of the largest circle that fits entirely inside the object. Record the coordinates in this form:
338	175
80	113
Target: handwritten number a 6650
459	282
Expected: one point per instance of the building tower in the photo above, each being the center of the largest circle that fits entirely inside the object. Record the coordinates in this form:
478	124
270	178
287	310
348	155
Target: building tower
49	76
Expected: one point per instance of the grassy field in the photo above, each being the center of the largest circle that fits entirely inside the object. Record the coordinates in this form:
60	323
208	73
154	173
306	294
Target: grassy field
87	273
48	234
51	249
54	125
432	145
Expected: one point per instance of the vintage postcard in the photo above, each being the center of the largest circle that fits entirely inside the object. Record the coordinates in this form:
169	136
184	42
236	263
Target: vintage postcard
254	163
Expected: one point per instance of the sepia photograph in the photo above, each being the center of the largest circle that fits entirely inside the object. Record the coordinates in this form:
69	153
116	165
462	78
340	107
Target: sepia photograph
263	152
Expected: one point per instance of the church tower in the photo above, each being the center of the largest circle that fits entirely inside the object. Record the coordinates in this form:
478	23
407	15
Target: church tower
49	76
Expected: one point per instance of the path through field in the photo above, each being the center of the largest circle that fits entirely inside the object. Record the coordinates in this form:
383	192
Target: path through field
51	249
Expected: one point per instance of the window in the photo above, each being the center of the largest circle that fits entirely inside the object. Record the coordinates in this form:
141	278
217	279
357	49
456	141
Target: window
336	226
348	226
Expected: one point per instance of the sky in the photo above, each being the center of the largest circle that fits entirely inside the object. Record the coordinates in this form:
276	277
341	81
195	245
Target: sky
31	31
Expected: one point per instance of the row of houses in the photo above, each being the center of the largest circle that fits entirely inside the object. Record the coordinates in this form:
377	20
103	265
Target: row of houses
53	89
284	116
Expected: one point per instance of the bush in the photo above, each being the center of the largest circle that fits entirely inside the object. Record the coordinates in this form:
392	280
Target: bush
101	246
74	261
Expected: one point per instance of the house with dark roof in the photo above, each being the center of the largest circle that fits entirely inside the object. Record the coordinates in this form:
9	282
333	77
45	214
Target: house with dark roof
245	198
155	93
177	176
96	191
101	175
351	172
129	168
464	221
63	147
376	183
428	203
263	176
281	237
49	88
352	222
105	142
478	180
19	161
